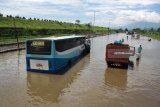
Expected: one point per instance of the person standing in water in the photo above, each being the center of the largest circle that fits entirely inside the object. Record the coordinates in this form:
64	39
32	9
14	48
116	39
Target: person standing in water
122	40
139	52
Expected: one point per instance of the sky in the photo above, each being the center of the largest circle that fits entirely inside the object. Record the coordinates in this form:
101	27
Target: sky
108	13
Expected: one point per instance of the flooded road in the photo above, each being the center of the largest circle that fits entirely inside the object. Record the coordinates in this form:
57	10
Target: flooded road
89	83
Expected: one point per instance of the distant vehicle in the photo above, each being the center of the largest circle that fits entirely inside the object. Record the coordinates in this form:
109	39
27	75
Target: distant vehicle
129	33
50	55
135	36
118	54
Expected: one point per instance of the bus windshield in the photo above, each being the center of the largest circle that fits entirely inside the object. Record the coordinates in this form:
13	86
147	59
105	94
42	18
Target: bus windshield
40	47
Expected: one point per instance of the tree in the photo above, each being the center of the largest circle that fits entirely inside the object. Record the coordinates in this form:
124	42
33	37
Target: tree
10	16
1	15
17	17
151	29
136	30
120	30
158	29
126	29
88	24
77	21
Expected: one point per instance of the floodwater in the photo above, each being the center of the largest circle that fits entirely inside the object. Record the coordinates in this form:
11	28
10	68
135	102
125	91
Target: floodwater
89	83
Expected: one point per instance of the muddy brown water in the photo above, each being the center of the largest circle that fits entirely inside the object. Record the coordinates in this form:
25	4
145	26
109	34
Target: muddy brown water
89	83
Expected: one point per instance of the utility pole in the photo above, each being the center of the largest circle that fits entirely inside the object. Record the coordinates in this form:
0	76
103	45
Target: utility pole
109	27
16	32
94	18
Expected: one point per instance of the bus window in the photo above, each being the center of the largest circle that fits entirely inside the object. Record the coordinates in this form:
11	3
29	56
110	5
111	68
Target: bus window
40	47
63	45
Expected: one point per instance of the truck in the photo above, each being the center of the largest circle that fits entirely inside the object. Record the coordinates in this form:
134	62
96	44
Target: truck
118	54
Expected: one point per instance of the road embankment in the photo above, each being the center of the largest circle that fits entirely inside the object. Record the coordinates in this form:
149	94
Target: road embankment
11	47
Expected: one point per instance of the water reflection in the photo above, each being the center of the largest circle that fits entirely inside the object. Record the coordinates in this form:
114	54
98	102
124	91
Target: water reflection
47	87
116	78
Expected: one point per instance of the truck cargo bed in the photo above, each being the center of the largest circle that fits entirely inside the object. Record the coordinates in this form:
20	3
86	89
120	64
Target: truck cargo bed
118	54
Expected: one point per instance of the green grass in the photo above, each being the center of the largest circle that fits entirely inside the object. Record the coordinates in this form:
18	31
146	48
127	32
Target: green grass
6	22
34	29
4	40
14	40
151	34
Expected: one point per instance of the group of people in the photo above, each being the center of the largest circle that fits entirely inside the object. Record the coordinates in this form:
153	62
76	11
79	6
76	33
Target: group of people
121	41
139	51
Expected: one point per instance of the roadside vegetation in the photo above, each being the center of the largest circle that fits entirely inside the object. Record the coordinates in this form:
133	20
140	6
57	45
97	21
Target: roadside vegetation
152	33
11	27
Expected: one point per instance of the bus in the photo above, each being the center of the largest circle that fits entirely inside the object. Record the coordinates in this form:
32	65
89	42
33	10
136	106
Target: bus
52	54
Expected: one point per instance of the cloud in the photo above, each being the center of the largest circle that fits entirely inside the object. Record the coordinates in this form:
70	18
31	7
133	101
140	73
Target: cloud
125	17
124	2
65	2
141	15
31	9
118	12
139	2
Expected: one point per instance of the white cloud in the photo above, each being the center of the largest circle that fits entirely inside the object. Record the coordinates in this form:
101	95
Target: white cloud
31	9
140	2
35	11
141	15
125	17
124	2
117	11
67	2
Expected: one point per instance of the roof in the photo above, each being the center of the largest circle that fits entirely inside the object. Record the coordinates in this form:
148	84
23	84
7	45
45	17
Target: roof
59	38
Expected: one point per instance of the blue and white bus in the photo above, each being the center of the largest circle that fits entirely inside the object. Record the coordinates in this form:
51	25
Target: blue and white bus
50	55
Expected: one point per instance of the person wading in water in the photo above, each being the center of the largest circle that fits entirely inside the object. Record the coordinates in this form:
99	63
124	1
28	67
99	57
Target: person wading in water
139	52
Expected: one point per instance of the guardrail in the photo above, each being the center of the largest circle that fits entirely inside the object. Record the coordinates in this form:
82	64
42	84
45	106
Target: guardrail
7	47
11	47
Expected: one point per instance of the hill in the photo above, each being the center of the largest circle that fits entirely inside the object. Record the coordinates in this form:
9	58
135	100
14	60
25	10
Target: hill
35	28
142	25
8	22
